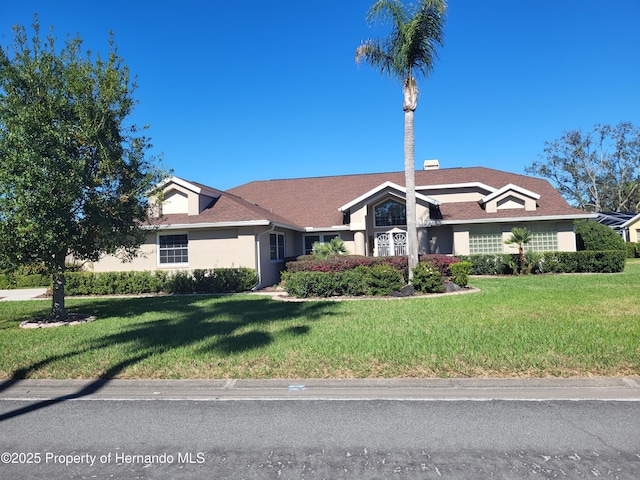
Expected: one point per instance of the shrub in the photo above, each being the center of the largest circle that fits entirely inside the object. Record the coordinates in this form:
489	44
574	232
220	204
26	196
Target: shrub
383	279
489	264
632	250
460	272
10	281
362	280
335	247
346	262
441	262
199	281
427	278
594	236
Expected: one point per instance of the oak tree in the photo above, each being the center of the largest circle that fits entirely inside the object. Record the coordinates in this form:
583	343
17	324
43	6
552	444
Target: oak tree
74	173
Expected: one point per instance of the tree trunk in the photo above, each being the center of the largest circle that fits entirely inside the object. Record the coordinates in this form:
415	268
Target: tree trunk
410	103
58	311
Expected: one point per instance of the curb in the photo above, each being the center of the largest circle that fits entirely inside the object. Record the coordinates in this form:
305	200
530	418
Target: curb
430	389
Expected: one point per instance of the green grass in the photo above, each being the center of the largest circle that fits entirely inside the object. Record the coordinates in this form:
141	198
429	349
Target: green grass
560	325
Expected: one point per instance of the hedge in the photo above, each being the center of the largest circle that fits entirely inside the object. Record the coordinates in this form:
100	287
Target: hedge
10	281
549	262
376	280
219	280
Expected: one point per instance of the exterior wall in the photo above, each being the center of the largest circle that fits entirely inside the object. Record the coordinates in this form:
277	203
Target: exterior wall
210	248
455	195
566	238
634	232
440	240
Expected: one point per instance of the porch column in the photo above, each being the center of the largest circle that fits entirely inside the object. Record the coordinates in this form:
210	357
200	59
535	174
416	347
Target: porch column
359	243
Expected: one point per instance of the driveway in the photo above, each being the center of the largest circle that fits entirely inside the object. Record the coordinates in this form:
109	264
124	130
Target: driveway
22	294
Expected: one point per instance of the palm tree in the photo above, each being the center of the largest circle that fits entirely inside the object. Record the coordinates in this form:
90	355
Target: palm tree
520	236
408	51
335	247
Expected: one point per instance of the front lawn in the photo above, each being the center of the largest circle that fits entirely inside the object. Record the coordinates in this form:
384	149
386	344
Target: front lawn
549	325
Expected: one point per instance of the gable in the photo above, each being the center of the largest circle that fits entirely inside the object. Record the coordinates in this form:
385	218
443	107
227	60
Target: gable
175	202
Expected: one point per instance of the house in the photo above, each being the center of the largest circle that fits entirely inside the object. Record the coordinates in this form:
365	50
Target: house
259	224
625	224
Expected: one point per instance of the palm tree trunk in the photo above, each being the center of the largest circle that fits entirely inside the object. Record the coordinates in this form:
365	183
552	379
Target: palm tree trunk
410	103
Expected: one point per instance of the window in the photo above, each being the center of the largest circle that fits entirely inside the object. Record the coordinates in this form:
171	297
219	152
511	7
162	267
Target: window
173	249
544	239
309	240
390	214
276	242
485	239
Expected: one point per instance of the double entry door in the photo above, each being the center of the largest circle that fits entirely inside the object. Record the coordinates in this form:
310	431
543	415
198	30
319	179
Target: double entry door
393	242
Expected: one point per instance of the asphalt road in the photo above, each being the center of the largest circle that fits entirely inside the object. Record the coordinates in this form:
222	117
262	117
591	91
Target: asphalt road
151	432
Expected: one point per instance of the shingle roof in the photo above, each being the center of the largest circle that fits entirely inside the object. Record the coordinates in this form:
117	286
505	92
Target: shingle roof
314	202
228	208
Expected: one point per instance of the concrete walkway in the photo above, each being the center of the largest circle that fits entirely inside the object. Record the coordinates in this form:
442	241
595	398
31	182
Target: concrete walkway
21	294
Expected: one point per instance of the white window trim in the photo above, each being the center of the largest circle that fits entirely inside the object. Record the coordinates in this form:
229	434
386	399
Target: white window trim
171	265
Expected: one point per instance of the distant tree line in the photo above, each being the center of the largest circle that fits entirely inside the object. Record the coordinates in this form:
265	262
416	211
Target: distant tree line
597	171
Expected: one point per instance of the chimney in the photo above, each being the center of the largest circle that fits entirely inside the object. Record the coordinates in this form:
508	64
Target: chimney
431	165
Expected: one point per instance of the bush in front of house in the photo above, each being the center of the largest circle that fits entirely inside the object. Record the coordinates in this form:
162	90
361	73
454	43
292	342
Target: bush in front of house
460	272
441	262
427	278
633	249
489	264
594	236
218	280
383	279
345	263
583	262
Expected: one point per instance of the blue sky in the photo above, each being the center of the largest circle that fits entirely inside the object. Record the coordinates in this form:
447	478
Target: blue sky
236	91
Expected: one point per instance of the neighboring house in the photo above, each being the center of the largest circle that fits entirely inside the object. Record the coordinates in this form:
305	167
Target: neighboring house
625	224
460	211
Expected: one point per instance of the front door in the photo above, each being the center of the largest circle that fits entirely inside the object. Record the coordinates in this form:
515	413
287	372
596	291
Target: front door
393	242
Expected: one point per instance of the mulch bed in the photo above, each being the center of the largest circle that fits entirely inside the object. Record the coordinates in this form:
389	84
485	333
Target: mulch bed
43	322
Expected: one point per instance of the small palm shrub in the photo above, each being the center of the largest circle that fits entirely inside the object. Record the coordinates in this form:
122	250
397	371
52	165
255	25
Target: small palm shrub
334	248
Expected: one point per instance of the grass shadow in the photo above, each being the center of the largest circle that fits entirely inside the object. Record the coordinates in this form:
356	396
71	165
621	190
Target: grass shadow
225	325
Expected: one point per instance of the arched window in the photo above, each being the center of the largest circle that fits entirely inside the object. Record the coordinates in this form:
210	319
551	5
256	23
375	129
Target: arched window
390	214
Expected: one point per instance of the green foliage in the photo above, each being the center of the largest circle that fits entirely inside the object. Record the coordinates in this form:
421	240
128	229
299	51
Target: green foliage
583	262
199	281
591	235
10	281
427	278
345	263
460	272
362	280
549	262
633	249
383	279
73	176
597	171
489	264
334	248
519	236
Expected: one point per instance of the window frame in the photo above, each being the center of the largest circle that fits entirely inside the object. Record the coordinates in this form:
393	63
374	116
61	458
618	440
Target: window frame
160	249
280	247
322	238
484	236
385	201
